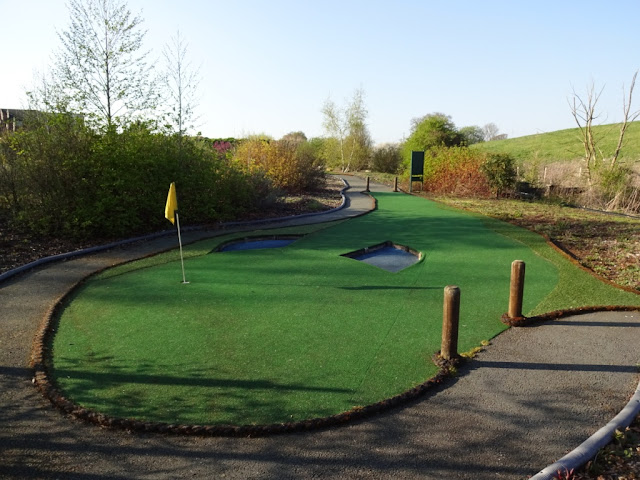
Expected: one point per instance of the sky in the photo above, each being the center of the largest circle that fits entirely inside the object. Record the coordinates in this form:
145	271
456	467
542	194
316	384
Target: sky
269	66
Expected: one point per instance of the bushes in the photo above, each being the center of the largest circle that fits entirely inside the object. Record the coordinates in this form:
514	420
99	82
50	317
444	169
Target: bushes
292	167
613	189
59	178
460	171
500	172
455	171
387	159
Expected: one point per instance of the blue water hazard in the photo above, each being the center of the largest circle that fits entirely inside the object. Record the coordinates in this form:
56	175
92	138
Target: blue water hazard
389	258
256	244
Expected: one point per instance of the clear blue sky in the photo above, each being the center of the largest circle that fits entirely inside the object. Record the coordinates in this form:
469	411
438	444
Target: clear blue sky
268	66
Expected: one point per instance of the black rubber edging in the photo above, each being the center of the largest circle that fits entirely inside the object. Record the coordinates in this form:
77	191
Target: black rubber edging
85	251
65	256
302	215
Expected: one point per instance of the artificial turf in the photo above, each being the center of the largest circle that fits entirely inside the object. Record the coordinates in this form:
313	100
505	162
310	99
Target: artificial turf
276	335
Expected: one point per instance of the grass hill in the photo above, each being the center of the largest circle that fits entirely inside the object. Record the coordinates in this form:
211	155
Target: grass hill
566	145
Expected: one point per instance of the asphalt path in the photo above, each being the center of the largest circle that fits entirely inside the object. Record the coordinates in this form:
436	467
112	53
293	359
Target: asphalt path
533	395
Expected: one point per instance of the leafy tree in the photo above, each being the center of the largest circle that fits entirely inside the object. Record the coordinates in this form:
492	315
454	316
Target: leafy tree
471	135
101	67
347	125
433	130
296	138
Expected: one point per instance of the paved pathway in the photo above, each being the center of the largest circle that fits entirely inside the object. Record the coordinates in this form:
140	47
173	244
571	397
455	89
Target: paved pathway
533	395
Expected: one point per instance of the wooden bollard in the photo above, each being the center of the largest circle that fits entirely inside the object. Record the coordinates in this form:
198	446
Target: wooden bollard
450	321
395	185
517	289
367	185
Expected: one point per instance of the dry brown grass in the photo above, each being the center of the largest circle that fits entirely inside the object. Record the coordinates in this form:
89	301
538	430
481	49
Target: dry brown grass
605	243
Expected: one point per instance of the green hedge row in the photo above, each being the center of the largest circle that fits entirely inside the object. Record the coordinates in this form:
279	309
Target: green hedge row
59	178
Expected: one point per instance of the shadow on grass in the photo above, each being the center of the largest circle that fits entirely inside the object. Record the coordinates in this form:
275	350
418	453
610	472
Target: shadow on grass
389	287
110	379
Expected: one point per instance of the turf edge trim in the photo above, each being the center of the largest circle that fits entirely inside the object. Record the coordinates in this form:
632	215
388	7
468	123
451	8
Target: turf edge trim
41	364
556	314
220	248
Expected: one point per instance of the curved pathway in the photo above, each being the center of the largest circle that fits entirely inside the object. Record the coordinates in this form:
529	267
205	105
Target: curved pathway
529	398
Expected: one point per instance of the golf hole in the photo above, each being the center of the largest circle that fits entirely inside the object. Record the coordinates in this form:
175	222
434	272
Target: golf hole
254	243
387	255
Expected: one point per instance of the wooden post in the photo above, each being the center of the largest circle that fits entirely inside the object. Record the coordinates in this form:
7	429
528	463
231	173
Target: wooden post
395	185
450	321
517	289
367	185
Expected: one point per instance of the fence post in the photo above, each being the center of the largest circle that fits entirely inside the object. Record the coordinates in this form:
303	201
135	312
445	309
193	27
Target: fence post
516	290
450	321
395	185
367	185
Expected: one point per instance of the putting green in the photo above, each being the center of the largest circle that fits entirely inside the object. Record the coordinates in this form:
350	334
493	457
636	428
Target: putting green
277	335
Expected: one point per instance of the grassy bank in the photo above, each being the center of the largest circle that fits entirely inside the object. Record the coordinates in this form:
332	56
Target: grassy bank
566	146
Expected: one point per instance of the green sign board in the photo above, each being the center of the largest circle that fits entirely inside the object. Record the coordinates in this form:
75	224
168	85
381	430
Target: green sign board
417	168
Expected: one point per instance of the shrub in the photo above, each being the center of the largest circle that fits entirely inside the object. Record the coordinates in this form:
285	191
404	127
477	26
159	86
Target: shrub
291	167
387	159
613	189
500	172
69	181
224	147
455	171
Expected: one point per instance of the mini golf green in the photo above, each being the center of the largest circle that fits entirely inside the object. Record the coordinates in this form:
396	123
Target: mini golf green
279	335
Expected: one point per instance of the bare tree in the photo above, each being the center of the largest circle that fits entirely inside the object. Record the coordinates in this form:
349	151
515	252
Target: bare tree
584	113
181	83
101	67
491	131
627	117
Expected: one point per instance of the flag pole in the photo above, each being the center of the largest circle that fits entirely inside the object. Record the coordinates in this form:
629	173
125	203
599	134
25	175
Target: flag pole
184	280
171	214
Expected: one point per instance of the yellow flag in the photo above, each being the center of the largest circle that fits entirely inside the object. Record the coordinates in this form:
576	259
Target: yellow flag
172	204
